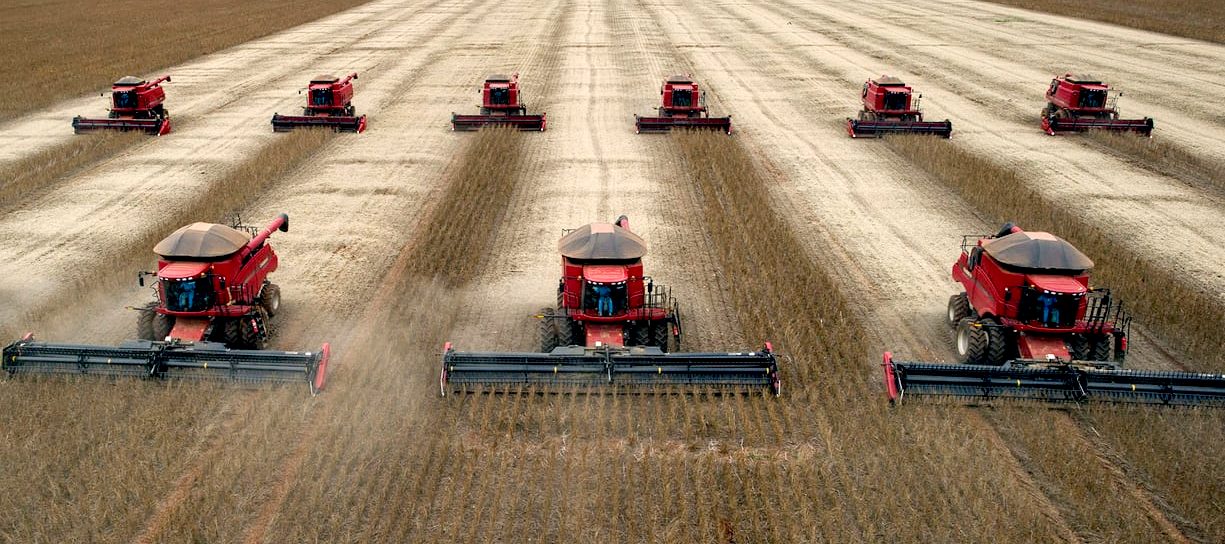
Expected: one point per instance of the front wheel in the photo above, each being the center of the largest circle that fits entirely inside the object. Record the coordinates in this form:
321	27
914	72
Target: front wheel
144	322
546	330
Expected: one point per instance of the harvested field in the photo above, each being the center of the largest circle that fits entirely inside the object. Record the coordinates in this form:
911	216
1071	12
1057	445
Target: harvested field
99	42
409	235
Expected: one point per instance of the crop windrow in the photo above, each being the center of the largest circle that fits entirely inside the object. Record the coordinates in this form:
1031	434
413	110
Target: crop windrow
1165	158
1181	312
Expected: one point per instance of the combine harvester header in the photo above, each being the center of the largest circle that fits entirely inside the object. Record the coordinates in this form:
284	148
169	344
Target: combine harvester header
612	326
1054	381
501	105
209	320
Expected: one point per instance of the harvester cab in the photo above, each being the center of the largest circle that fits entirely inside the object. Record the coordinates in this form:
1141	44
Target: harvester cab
209	319
136	105
891	107
683	105
612	325
1029	326
1080	103
501	105
329	104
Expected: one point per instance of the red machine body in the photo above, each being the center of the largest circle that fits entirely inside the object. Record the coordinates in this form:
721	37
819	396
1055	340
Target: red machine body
136	104
606	298
329	103
1027	296
891	107
212	284
501	105
683	106
1079	103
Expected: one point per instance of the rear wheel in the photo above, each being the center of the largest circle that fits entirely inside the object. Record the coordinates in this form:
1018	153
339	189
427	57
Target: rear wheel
144	322
546	330
270	299
959	308
971	342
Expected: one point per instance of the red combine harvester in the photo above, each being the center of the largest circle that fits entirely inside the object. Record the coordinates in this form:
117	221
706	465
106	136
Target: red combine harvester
684	106
612	325
1029	326
501	105
210	319
329	104
1078	103
136	104
891	107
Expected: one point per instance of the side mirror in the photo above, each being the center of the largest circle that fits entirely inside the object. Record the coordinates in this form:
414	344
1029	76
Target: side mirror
140	279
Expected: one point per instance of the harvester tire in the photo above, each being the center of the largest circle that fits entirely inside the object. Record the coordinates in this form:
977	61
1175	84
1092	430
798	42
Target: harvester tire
569	334
959	308
971	342
144	322
1099	347
659	335
1078	347
546	330
251	333
270	299
640	334
231	333
997	343
162	325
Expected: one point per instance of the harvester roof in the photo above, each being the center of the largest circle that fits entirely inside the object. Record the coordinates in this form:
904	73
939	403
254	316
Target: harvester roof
498	78
680	79
1082	79
1037	251
325	78
889	81
202	241
602	242
129	80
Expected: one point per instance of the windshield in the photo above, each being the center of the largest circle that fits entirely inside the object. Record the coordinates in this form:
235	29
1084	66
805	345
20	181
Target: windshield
1048	308
1093	99
499	95
321	97
682	98
895	101
125	99
605	299
187	295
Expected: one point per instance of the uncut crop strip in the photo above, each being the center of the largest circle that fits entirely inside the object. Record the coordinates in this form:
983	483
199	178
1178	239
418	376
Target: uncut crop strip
35	174
1181	312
